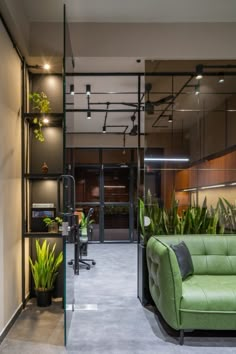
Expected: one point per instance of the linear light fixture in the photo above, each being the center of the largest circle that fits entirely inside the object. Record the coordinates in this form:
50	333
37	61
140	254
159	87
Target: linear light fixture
190	189
214	186
174	159
114	186
72	89
221	78
197	89
199	72
88	90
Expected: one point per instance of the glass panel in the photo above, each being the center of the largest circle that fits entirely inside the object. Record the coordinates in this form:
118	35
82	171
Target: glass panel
116	156
68	246
196	131
116	222
116	185
87	184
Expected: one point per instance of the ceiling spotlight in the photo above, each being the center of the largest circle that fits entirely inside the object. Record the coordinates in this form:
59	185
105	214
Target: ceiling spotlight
221	79
72	89
88	90
197	90
170	119
45	120
199	72
104	130
88	115
46	66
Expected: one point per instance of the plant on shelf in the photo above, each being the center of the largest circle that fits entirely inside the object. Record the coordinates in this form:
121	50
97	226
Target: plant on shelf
84	224
44	271
41	104
53	224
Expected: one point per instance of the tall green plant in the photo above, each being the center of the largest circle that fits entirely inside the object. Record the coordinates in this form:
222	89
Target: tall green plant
45	267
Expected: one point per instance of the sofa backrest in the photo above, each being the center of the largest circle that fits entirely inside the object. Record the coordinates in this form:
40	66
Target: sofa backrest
211	254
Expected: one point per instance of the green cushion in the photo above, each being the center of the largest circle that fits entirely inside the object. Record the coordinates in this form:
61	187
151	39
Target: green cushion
212	255
209	293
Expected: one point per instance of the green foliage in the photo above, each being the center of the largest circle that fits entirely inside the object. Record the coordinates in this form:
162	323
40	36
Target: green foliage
41	104
45	267
227	215
84	222
49	221
193	220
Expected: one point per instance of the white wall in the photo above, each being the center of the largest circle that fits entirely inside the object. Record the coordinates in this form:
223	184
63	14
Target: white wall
10	180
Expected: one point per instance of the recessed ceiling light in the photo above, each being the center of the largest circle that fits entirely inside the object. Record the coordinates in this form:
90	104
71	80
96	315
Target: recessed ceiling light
45	120
46	66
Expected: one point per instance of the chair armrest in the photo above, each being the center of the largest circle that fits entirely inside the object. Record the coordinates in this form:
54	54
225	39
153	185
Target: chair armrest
165	280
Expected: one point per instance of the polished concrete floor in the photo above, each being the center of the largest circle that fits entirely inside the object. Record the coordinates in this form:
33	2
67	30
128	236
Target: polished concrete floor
108	318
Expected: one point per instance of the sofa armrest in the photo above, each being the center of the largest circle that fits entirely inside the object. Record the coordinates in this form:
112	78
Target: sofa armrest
165	280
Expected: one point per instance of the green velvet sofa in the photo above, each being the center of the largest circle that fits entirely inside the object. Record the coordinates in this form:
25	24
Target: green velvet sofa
204	300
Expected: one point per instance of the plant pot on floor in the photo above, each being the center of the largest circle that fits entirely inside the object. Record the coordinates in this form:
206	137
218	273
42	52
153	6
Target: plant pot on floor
44	297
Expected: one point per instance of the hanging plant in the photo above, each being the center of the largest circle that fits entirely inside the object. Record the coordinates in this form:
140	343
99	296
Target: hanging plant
41	104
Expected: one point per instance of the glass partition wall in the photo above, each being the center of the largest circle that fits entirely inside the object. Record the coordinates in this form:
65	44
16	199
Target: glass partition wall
190	144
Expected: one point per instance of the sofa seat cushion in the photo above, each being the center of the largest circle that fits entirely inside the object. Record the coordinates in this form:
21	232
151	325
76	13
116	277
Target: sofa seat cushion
209	293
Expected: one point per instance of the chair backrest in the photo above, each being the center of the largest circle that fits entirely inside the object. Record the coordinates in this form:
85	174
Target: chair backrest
211	254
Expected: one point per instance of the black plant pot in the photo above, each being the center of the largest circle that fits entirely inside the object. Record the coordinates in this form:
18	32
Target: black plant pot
143	281
44	297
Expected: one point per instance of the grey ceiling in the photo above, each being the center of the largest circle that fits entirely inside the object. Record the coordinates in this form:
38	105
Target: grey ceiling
132	10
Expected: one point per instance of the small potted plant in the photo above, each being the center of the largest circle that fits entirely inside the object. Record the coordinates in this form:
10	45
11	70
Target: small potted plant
84	224
53	224
44	270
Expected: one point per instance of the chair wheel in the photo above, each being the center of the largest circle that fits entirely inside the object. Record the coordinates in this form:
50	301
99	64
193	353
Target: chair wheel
88	267
93	263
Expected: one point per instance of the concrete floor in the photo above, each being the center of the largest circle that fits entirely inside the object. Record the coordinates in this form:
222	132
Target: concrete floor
108	317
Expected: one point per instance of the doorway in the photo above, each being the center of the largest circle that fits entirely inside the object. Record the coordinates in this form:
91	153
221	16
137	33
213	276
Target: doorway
109	188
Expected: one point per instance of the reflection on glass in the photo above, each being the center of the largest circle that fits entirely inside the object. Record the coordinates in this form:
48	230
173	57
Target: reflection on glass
116	185
87	185
116	222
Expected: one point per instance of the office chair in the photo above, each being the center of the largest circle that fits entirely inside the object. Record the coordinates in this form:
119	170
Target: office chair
83	243
81	246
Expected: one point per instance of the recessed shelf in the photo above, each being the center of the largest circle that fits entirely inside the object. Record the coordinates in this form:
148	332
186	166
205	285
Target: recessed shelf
40	176
42	235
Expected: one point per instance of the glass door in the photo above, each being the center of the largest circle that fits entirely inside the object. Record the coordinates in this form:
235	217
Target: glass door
117	203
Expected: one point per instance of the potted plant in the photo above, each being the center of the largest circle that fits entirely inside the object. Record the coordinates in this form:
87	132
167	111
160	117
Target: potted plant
84	224
44	270
41	104
53	224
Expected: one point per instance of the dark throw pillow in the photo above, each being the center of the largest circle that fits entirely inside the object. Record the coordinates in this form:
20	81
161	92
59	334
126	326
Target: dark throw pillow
184	259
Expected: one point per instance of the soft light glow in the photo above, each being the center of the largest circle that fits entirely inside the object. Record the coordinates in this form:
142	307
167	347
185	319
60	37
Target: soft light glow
46	66
174	159
221	80
214	186
190	189
114	186
45	120
199	77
